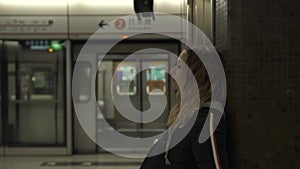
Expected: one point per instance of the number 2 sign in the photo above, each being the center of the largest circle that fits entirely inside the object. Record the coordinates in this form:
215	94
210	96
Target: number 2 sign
120	23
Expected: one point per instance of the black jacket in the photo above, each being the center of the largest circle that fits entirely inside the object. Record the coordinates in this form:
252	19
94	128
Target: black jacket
189	153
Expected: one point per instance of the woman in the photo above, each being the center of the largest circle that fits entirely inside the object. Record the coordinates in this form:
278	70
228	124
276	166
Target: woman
189	153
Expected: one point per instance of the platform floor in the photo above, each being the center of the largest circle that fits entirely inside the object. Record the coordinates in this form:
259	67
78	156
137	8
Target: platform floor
99	161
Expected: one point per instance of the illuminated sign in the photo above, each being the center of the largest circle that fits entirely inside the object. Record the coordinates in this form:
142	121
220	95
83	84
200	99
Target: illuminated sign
56	45
48	45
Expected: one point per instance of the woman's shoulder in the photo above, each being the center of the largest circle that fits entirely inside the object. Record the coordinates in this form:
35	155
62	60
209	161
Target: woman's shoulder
202	116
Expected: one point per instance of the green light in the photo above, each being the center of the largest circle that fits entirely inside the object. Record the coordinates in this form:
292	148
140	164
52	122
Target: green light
55	45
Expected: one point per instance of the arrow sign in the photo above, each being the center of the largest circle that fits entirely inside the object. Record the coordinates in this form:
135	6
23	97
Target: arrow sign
101	24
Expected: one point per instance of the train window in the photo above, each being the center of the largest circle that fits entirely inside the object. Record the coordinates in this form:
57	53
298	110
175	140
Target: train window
81	83
156	80
125	80
43	82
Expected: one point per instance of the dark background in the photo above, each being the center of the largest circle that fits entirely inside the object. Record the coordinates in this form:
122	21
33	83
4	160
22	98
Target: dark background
260	41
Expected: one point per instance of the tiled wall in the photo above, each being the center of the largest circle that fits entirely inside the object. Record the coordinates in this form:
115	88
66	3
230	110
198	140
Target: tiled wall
221	17
262	63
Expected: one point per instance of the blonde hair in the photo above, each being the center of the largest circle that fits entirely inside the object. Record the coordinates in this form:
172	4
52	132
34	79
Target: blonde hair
204	87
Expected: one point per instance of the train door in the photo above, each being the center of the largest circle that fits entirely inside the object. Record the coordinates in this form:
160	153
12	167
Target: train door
115	87
140	87
155	82
114	76
34	118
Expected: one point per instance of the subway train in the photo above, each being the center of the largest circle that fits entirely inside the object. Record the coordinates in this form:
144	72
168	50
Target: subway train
40	42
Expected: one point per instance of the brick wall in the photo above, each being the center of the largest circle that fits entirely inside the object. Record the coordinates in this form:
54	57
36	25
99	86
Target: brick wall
262	65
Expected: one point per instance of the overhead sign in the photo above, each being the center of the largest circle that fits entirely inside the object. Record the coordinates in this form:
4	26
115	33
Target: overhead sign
82	27
33	26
